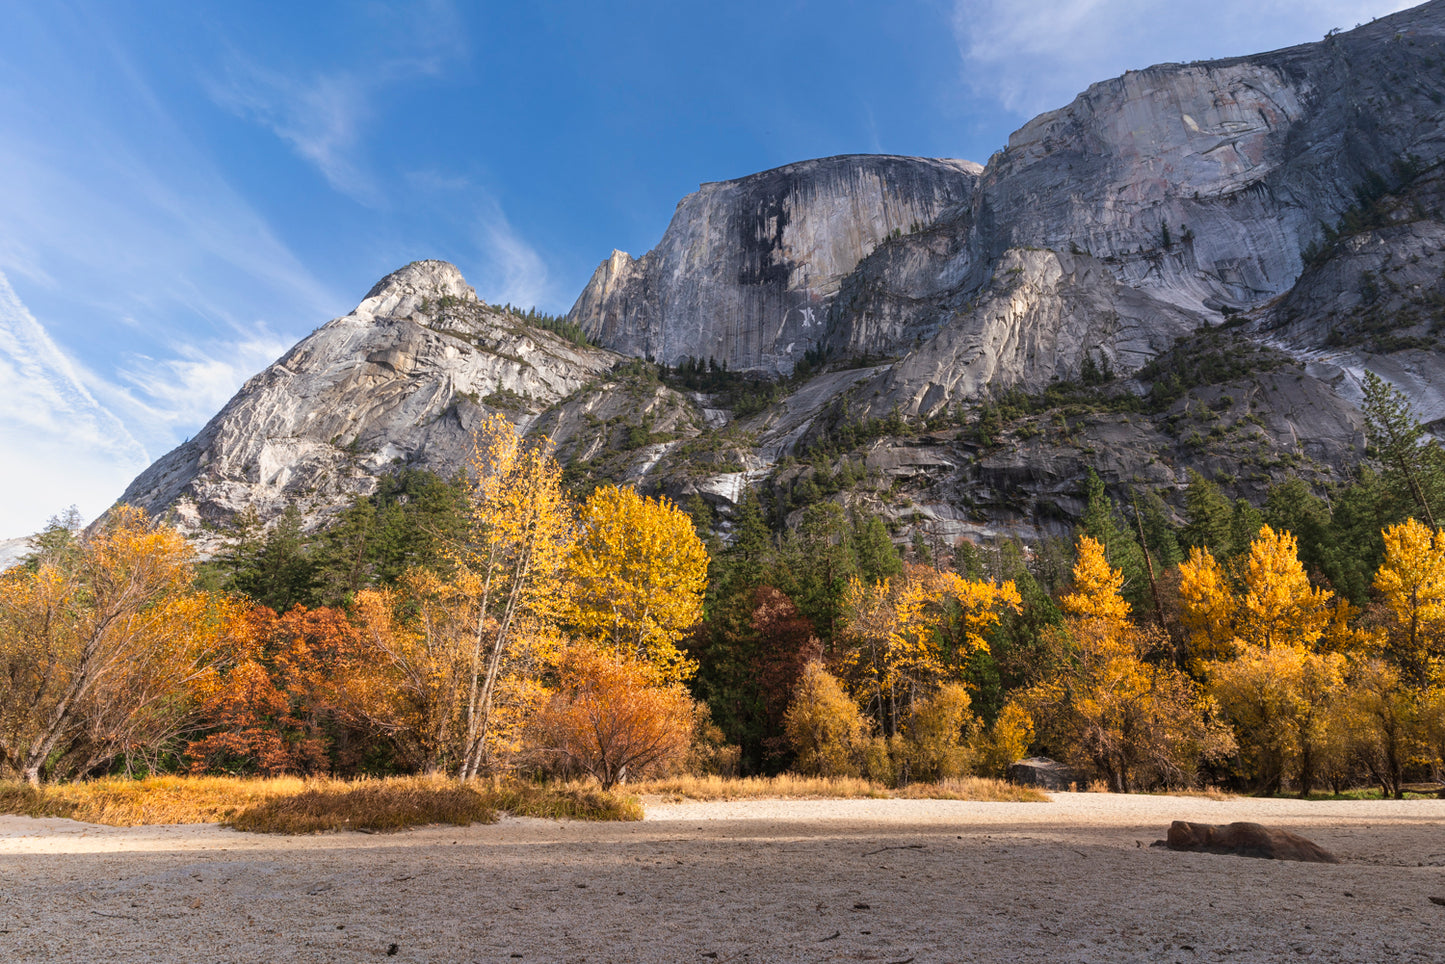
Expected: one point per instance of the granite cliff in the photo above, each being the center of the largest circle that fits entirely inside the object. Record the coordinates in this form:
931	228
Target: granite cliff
1189	266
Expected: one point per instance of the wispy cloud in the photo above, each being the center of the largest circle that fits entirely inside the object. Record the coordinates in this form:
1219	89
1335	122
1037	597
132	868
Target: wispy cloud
325	115
512	270
1035	55
184	391
321	117
58	444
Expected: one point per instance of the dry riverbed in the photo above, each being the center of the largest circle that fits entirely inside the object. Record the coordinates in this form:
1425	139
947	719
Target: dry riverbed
846	880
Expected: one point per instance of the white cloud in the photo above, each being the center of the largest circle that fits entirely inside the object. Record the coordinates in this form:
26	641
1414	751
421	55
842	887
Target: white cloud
58	444
512	271
1035	55
183	392
321	118
324	115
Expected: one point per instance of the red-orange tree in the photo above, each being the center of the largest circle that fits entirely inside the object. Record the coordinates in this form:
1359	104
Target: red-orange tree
611	719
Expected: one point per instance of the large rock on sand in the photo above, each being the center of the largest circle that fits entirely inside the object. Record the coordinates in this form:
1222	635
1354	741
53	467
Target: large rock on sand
1246	840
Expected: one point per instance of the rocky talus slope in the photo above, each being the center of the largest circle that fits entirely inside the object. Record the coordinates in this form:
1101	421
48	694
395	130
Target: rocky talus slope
1189	266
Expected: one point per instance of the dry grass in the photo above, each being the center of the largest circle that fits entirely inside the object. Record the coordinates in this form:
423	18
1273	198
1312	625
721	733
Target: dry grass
120	802
371	805
569	801
294	805
791	787
1208	793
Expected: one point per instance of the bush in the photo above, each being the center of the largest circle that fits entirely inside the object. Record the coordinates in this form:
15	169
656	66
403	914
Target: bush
1008	741
824	726
937	739
610	720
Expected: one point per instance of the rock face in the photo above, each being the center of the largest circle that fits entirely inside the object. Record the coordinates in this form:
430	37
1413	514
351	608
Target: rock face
747	270
1225	247
1246	840
404	379
1156	202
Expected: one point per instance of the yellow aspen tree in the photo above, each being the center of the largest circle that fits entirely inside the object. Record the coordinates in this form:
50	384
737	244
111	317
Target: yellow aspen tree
1411	582
1387	728
1135	718
635	577
1271	680
824	726
519	531
1279	606
1207	608
100	649
893	651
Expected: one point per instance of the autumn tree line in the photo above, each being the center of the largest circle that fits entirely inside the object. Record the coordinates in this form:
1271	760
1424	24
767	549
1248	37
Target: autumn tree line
490	624
497	623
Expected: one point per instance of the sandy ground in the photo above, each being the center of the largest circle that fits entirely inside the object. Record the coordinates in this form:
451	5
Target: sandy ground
864	880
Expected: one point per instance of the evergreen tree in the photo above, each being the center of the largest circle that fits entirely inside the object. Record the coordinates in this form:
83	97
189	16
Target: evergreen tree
1410	463
1102	523
1208	518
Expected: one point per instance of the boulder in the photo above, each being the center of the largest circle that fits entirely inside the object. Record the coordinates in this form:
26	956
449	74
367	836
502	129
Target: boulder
1246	840
1041	772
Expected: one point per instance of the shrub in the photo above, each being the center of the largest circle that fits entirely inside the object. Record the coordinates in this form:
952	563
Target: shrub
938	736
1007	742
610	720
825	728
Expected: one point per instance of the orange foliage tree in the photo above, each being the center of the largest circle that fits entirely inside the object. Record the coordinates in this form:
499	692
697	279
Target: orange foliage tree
267	707
610	718
99	650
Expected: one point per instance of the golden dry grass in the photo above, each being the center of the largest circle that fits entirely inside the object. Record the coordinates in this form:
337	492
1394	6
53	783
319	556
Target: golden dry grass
370	805
566	801
789	786
119	802
295	805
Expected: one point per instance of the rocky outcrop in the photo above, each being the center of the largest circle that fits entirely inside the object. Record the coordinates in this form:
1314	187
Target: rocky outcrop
1041	772
1154	203
403	380
747	270
1246	840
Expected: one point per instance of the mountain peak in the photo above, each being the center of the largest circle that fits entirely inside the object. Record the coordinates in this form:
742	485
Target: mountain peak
405	289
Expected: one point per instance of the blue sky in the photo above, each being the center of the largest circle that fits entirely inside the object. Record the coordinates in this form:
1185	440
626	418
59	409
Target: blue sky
186	189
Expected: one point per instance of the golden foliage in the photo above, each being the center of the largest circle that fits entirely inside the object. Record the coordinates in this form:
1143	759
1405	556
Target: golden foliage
1208	607
415	671
1411	581
937	740
1279	606
824	726
1274	606
99	650
507	579
635	578
906	636
1096	588
1113	701
1008	741
1279	699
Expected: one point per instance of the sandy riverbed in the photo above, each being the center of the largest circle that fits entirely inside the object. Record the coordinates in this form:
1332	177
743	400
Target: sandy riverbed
858	880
